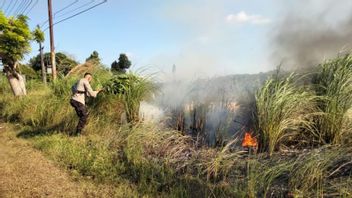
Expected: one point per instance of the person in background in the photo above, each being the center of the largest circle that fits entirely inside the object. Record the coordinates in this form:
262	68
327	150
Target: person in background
80	91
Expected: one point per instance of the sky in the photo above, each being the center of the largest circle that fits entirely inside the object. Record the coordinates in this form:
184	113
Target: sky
201	37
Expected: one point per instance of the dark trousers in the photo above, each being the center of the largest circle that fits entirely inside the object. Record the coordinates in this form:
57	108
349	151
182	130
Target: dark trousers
82	113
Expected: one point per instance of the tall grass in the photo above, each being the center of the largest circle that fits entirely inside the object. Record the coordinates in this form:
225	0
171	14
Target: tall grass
131	89
314	172
333	83
283	110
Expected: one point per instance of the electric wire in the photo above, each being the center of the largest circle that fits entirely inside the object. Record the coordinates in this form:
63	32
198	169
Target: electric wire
27	6
62	9
75	9
66	7
7	9
21	6
79	13
3	4
14	5
30	9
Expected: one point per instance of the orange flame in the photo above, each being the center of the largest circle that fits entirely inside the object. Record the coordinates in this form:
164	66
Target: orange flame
249	141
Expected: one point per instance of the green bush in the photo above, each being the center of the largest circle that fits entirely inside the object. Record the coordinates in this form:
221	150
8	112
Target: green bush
131	89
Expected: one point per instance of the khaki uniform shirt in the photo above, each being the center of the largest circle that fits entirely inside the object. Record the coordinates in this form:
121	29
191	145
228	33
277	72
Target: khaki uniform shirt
84	86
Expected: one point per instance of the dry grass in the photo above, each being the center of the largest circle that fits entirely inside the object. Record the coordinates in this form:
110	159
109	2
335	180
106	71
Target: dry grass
81	69
224	161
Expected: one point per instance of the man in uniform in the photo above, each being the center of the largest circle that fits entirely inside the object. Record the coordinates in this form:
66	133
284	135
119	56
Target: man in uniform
80	90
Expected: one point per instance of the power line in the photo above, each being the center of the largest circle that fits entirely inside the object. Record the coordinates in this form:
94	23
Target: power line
2	5
24	7
82	6
27	6
79	13
30	9
7	9
66	7
14	5
62	9
21	6
77	8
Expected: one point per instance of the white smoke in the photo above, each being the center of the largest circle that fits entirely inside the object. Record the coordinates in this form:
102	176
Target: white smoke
150	113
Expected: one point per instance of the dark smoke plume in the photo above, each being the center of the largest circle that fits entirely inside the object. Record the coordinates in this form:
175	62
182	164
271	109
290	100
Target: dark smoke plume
305	41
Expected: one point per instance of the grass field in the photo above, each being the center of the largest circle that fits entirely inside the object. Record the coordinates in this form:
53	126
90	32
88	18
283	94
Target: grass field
304	133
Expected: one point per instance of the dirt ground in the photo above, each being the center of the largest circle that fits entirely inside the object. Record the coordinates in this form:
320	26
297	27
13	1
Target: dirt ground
25	172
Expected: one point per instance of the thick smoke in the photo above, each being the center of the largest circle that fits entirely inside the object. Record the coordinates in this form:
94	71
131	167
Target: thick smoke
313	32
215	109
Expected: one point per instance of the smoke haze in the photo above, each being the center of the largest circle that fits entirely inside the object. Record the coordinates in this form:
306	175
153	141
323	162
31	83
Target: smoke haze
311	32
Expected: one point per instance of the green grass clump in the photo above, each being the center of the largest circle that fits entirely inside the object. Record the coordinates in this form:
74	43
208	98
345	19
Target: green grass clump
333	83
131	89
283	110
31	110
85	155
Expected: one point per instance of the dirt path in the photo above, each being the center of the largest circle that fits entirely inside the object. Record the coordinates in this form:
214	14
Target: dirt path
25	172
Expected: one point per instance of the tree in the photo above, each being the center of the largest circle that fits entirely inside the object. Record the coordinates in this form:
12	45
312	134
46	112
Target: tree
122	65
94	57
38	35
39	38
64	63
15	37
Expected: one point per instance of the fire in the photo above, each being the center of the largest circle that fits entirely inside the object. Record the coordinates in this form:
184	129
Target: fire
249	141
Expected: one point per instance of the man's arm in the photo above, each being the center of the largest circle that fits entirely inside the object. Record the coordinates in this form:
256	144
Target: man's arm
90	91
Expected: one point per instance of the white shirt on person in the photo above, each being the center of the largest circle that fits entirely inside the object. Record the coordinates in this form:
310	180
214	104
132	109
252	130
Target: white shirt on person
83	86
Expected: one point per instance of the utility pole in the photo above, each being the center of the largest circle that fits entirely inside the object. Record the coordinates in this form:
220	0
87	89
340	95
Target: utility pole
42	63
52	48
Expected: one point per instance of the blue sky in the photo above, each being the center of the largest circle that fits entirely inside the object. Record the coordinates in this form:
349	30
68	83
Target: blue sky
201	37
